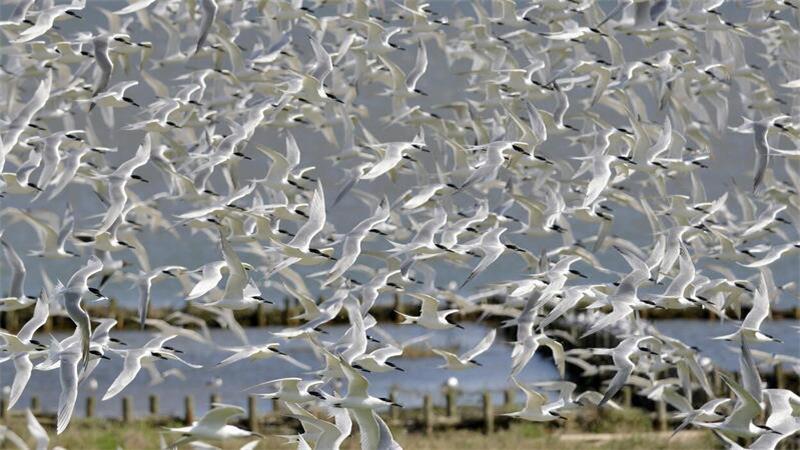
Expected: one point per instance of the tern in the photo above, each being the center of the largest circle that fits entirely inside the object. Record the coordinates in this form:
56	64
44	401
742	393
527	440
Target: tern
536	407
430	317
213	426
467	359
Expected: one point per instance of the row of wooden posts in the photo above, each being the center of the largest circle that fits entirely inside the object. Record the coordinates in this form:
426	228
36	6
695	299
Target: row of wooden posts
154	412
451	415
283	313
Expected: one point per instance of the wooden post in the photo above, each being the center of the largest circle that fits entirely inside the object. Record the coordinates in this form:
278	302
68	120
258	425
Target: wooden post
606	337
3	408
120	316
12	321
427	402
627	396
35	405
394	411
661	411
90	402
488	413
48	325
285	313
398	306
780	377
153	405
717	383
215	398
276	406
127	409
252	412
261	315
451	397
509	395
188	406
112	308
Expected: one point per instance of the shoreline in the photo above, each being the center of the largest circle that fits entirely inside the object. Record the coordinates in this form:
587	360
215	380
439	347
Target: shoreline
283	313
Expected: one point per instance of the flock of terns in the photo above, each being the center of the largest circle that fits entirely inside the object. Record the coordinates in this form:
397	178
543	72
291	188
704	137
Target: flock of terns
560	128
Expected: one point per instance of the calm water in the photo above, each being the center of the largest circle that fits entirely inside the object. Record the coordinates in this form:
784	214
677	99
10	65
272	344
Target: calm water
422	371
420	376
726	354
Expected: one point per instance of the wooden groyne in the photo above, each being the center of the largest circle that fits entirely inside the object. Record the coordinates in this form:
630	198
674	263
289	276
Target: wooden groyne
282	313
475	410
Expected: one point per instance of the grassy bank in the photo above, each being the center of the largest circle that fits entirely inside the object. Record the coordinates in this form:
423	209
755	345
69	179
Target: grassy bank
107	434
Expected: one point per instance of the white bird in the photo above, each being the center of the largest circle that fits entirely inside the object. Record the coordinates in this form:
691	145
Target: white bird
430	317
536	407
22	345
740	421
774	254
213	426
523	352
323	434
37	431
258	352
137	5
292	390
492	248
351	247
69	359
117	184
467	359
47	17
134	359
392	154
209	15
105	65
750	329
145	284
16	292
73	293
299	248
621	354
362	405
240	292
24	117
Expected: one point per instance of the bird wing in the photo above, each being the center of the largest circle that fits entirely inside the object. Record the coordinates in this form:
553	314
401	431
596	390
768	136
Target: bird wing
238	356
40	313
762	153
760	309
103	62
37	431
482	346
386	440
130	368
315	223
145	283
430	305
356	384
209	14
69	387
558	352
420	66
219	416
17	271
212	274
368	427
237	276
22	367
135	6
